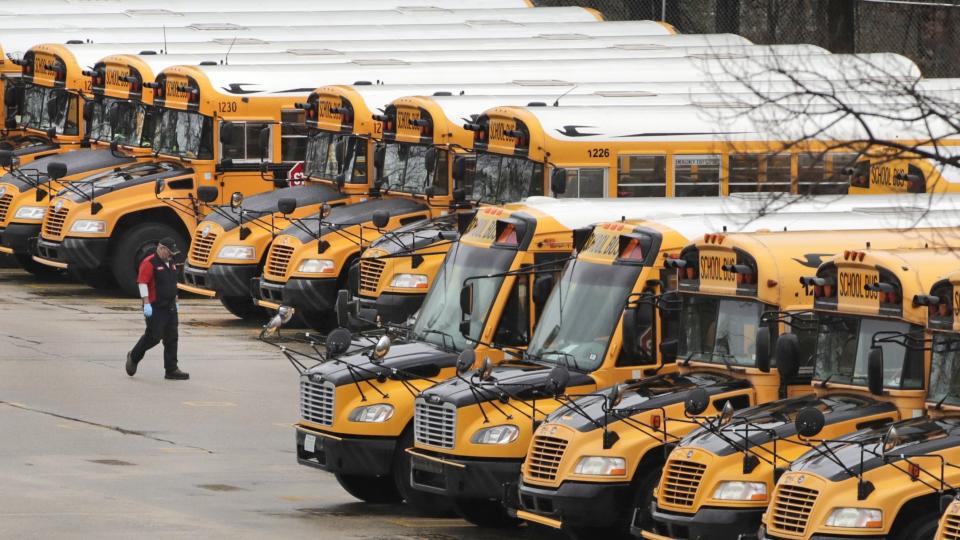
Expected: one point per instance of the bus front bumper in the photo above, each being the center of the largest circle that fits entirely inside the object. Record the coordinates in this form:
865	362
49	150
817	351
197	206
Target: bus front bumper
308	295
226	280
464	478
393	307
707	524
81	253
762	535
581	504
366	456
16	237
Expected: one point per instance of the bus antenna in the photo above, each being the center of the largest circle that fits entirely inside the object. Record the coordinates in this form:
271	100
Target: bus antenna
556	102
227	56
165	49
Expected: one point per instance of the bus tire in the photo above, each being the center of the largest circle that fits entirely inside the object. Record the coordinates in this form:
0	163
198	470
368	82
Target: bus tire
922	527
425	504
369	489
243	307
484	513
134	245
97	278
644	485
40	270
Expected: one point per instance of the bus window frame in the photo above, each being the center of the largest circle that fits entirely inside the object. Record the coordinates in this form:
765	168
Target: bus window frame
721	175
622	171
246	160
571	183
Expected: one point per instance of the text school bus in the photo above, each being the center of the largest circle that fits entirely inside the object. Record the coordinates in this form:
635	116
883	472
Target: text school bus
872	343
713	484
206	138
459	462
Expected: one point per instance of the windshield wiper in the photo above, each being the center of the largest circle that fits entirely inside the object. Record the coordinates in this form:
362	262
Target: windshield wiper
445	336
567	357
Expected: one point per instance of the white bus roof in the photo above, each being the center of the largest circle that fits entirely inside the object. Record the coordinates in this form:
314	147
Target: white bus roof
270	79
304	16
71	7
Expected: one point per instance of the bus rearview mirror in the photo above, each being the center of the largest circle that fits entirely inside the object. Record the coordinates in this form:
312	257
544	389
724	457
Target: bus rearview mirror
465	360
87	110
629	332
558	380
287	205
558	181
542	285
158	186
809	422
338	341
6	158
226	133
56	170
697	402
208	194
430	160
379	156
763	349
875	371
466	300
788	356
380	219
668	350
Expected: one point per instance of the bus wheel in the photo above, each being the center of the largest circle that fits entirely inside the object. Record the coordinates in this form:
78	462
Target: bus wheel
923	527
642	498
484	513
425	504
243	307
97	278
369	489
135	244
40	270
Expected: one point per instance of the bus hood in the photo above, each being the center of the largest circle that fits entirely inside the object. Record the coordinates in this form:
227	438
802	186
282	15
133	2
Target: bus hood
776	420
414	236
77	162
264	204
415	359
130	176
352	214
515	382
914	437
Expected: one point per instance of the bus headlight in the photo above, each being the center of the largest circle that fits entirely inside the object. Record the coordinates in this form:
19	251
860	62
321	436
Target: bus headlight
741	491
409	281
855	518
504	434
245	253
316	266
30	212
601	466
88	226
376	414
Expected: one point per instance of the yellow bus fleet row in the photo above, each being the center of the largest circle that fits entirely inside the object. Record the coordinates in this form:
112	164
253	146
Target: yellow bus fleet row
570	272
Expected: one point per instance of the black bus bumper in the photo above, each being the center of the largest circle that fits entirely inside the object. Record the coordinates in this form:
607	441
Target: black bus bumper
308	295
762	535
463	478
580	504
80	253
229	280
393	307
17	237
706	524
364	456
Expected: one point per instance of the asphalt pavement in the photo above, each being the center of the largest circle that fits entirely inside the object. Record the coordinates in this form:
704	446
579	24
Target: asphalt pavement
86	451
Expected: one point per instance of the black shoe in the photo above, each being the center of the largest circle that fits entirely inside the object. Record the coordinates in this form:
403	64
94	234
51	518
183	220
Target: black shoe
131	365
177	375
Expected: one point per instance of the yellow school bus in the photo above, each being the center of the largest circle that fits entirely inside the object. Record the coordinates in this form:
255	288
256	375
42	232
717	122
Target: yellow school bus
211	141
712	485
875	302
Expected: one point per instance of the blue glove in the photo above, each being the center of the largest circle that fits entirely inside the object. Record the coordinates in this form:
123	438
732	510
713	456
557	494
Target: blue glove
178	306
147	310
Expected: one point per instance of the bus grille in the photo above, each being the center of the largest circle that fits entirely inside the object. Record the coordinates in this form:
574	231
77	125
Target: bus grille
791	508
435	425
681	482
316	401
951	528
370	272
200	250
5	206
53	224
544	458
279	260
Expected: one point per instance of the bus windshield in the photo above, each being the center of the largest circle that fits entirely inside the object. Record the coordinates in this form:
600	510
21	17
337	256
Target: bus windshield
126	122
330	155
843	344
582	313
45	108
501	179
439	318
720	330
945	370
183	134
405	168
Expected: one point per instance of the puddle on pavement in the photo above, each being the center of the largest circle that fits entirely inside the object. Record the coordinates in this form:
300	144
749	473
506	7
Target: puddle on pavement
115	462
219	487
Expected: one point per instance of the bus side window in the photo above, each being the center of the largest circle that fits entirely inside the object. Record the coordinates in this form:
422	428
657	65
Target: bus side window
244	146
513	330
750	173
642	176
586	183
822	174
696	176
293	136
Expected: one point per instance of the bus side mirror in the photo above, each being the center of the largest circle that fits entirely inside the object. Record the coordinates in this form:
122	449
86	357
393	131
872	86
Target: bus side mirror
340	150
558	181
542	285
56	170
338	341
459	168
466	300
635	319
265	142
158	186
6	158
226	133
87	108
380	219
763	349
208	194
809	422
10	98
875	371
697	402
287	205
430	160
580	237
465	361
379	156
557	380
788	356
668	350
113	114
459	195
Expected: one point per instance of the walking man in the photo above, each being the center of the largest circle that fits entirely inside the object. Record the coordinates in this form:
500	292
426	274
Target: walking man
157	281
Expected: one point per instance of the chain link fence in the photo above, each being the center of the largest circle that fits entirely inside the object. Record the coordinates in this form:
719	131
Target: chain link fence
925	32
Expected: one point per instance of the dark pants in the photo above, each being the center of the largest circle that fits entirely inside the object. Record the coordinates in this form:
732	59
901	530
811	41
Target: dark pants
162	326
